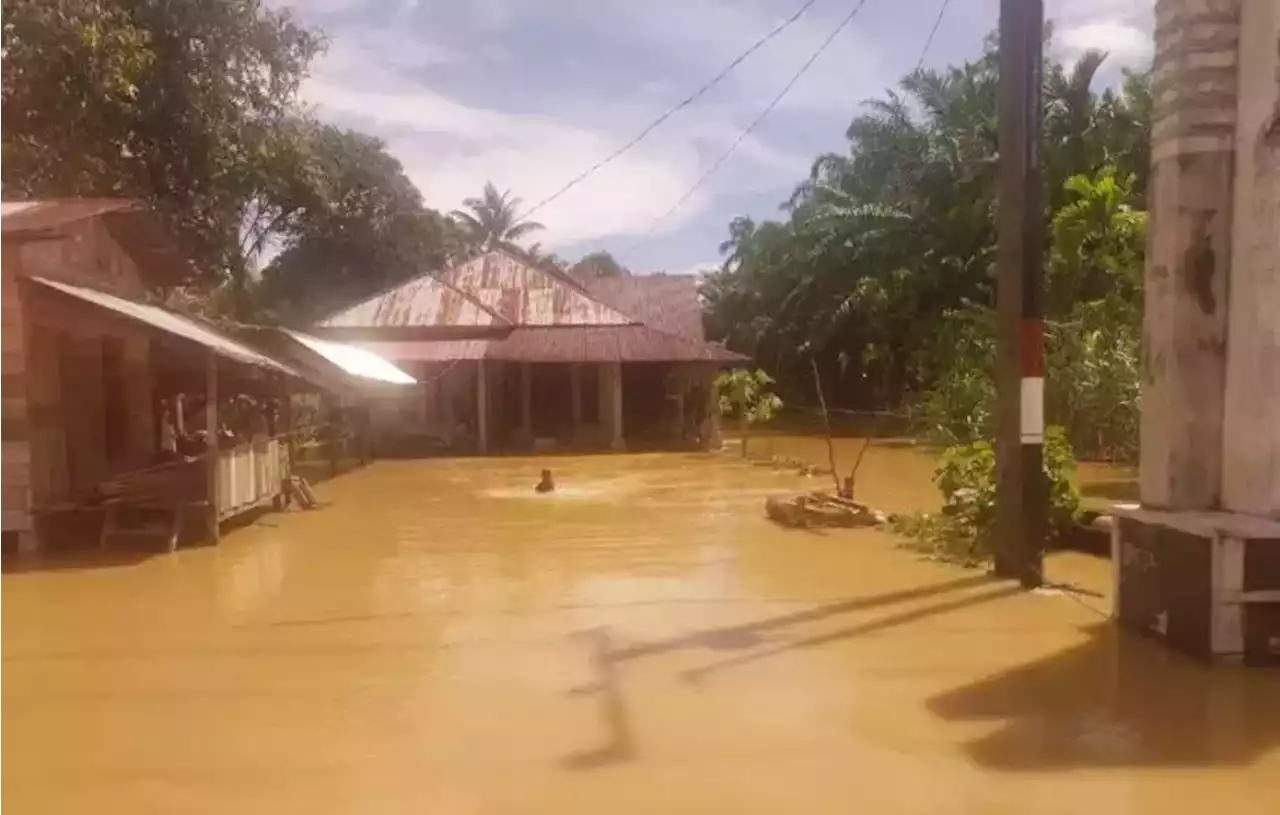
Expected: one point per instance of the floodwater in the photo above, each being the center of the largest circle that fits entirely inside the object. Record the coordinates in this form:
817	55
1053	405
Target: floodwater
437	638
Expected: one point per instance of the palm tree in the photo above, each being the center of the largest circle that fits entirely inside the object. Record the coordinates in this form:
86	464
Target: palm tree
492	222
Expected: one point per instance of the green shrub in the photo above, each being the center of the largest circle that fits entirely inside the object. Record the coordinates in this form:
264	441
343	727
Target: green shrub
965	529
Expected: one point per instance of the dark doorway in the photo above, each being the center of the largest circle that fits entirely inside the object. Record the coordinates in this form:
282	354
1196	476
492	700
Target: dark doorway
550	394
647	413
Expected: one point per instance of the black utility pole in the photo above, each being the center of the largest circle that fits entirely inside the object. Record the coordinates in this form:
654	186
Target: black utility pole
1021	486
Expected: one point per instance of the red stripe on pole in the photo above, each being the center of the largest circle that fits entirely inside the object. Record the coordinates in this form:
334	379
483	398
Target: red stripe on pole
1031	348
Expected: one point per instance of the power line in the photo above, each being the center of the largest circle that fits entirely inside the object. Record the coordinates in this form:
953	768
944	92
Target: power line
689	100
756	121
932	33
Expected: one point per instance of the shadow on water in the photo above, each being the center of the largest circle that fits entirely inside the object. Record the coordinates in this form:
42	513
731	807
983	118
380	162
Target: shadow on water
1118	700
74	542
619	746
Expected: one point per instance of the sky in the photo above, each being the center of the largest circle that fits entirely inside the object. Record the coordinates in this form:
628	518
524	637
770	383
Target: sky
530	93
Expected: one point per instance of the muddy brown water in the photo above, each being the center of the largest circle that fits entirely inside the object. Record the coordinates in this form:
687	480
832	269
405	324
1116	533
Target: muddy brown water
439	638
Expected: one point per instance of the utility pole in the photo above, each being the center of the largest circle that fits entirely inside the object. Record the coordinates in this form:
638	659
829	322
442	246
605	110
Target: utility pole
1021	486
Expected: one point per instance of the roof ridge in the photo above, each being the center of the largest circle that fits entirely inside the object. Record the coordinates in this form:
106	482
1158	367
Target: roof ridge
435	277
557	277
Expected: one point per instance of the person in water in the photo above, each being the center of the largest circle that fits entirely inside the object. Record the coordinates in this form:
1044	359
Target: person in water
547	484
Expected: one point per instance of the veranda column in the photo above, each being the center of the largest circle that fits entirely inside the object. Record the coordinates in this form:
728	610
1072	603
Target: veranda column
575	394
211	450
526	400
482	408
616	440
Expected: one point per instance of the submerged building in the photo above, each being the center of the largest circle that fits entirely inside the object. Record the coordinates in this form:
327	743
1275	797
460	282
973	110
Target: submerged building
510	356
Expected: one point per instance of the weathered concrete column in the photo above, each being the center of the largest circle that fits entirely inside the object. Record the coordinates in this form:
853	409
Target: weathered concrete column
1189	252
482	408
1250	426
575	394
616	440
526	401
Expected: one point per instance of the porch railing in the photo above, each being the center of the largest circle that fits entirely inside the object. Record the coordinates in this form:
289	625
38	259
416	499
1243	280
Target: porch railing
249	475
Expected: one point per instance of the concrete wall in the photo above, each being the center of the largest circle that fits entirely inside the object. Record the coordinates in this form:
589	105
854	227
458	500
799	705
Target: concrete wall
1251	426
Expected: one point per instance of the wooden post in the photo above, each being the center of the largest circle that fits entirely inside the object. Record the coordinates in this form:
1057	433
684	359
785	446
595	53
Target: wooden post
331	433
1021	486
575	394
526	400
211	451
482	408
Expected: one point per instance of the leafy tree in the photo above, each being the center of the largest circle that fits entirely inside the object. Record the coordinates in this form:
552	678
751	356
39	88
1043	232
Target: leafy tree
361	227
747	395
492	221
882	262
184	104
598	264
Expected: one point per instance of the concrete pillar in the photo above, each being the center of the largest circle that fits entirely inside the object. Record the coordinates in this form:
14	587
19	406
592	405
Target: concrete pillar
1189	253
1251	429
526	400
616	440
482	408
575	395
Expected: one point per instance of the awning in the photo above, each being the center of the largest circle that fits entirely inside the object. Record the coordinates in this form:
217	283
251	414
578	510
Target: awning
354	361
173	324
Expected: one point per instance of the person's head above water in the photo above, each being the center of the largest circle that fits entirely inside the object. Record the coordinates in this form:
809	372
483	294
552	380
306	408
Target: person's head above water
547	484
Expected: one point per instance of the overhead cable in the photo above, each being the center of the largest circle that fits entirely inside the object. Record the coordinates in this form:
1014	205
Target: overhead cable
684	103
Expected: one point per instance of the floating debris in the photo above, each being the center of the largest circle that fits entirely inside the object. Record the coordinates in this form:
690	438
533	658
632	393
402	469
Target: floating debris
821	509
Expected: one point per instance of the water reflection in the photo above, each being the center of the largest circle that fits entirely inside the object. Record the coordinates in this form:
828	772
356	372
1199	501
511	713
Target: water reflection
440	638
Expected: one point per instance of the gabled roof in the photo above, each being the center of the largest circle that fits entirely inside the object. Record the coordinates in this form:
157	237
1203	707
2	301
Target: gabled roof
668	303
37	216
528	296
423	302
134	226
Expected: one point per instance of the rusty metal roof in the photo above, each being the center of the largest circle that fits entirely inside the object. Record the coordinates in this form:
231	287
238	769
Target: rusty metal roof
52	213
423	302
173	324
666	302
135	227
427	350
627	343
624	343
528	296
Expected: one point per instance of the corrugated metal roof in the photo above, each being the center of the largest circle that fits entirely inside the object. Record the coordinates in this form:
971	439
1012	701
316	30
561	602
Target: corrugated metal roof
352	359
423	302
627	343
174	324
427	350
666	302
130	223
35	216
527	296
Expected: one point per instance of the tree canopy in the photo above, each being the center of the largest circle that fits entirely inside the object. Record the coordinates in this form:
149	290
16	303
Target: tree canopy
491	221
192	106
884	257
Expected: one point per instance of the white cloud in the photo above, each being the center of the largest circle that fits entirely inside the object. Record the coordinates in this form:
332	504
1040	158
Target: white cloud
450	148
1124	43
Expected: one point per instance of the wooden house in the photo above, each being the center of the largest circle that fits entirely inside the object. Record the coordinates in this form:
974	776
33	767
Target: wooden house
511	356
